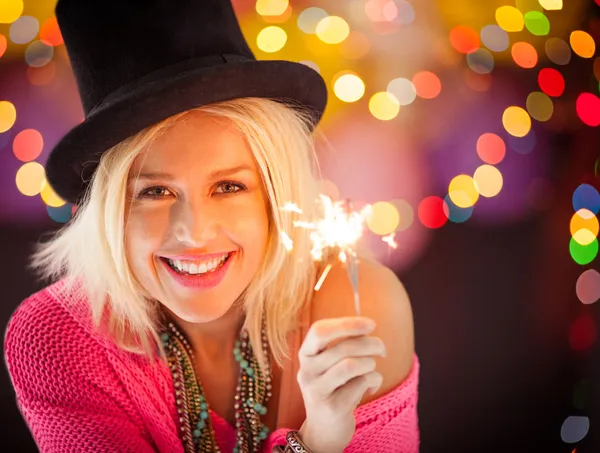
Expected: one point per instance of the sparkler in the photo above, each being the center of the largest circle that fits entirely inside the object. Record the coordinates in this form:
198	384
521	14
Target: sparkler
339	229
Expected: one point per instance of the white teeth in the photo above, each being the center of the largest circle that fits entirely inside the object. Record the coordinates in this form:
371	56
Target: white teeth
197	267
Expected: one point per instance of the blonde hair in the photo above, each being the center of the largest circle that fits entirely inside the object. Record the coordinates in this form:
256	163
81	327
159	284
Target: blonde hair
90	249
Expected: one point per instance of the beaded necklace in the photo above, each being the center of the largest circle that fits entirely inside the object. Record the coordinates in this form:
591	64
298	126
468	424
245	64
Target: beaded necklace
252	393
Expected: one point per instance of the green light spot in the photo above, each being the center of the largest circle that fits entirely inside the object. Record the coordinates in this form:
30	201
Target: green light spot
583	254
537	23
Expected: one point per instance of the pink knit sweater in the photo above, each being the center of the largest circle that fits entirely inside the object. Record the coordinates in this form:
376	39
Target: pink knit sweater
78	392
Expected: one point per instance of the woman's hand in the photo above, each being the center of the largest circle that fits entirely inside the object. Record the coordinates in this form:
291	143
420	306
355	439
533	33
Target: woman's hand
337	367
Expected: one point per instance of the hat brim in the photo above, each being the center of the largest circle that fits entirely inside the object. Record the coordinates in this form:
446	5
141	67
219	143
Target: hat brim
75	157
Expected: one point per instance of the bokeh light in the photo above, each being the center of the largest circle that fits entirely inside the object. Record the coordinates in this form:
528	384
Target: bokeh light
384	218
310	18
50	33
406	12
588	287
24	29
38	54
551	5
582	44
583	254
455	213
586	197
8	115
349	87
11	10
558	51
3	44
61	214
271	7
462	191
494	38
510	18
30	178
523	145
584	226
488	180
481	61
491	148
574	429
537	23
42	75
271	39
582	333
403	90
427	84
332	29
431	212
588	109
50	197
551	82
384	106
539	106
406	213
516	121
524	54
464	39
28	145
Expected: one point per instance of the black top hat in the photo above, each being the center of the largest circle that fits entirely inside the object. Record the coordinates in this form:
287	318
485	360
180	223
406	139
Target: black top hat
138	62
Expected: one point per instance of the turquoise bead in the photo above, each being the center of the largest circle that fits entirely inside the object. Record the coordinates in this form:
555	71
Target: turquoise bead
244	364
263	411
203	415
197	433
257	407
203	406
250	371
262	435
164	337
201	424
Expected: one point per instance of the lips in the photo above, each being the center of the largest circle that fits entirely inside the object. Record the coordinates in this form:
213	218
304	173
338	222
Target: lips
203	281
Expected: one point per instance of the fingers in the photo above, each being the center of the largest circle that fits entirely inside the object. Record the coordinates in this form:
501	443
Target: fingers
350	395
352	347
324	331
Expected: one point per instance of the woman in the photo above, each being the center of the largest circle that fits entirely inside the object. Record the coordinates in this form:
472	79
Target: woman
178	320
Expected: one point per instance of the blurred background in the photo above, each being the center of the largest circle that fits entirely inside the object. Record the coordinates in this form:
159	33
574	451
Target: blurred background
471	127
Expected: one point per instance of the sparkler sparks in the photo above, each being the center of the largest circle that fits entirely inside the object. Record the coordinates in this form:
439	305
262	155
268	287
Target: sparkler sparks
339	229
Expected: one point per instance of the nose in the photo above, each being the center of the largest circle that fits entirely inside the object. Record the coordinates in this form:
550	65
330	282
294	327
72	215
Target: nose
194	223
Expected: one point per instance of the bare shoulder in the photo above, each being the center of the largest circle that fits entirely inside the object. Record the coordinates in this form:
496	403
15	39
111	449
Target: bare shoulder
382	298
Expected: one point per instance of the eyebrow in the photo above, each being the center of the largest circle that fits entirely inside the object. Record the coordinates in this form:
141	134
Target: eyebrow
215	174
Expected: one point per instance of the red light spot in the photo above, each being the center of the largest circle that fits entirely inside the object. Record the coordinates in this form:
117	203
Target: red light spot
3	44
582	334
551	82
491	148
588	109
431	212
28	145
50	33
464	39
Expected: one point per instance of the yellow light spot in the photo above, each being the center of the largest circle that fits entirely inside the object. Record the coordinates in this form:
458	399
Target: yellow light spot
384	218
510	19
30	178
8	115
384	106
551	5
10	10
310	18
582	44
488	180
462	191
271	7
333	29
271	39
584	226
50	197
349	87
516	121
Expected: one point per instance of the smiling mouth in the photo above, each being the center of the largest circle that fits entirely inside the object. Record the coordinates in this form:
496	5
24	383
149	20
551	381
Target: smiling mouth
194	269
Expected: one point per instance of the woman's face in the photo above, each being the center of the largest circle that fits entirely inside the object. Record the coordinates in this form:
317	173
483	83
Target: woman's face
197	226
